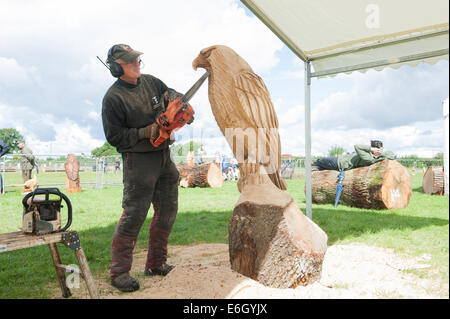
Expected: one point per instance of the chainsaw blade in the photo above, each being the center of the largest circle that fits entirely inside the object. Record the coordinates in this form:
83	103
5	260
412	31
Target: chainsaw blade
190	93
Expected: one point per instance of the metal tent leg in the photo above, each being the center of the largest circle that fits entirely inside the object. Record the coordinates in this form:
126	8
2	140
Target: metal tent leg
308	140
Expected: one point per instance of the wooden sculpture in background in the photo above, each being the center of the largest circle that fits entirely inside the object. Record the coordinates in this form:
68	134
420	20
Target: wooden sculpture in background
270	240
72	168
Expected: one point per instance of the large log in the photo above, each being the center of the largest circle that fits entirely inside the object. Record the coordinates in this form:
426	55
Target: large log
204	175
433	180
383	185
271	241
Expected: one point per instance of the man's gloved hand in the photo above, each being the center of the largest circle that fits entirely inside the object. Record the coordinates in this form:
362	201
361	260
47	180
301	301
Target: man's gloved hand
149	132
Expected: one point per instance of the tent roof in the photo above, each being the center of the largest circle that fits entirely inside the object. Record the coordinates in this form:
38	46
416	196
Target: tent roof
339	36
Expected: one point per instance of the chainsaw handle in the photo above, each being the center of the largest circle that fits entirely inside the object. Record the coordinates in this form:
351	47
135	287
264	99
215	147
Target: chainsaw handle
47	192
69	212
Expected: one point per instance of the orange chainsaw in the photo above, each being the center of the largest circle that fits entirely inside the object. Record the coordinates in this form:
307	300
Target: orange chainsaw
178	113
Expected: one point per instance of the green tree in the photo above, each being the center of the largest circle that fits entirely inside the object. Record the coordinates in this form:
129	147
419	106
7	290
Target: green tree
439	156
11	137
176	149
104	150
335	151
179	149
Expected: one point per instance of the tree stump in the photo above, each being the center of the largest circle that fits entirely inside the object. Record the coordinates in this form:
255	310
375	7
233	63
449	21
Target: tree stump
383	185
271	241
204	175
433	180
72	168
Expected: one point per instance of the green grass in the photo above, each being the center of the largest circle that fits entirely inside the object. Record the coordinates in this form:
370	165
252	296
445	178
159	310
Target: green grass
421	228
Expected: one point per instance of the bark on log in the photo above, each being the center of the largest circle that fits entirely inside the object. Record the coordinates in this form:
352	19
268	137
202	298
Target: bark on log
204	175
383	185
271	241
433	180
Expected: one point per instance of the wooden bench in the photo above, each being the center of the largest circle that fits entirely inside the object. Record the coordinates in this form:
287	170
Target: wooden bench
20	240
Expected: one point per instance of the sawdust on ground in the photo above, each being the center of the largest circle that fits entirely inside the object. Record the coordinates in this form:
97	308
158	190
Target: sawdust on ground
348	271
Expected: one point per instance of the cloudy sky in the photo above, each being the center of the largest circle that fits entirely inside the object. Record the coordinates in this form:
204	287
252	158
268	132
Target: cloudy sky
52	85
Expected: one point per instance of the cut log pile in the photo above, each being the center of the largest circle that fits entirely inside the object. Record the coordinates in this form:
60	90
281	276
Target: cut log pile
433	180
204	175
383	185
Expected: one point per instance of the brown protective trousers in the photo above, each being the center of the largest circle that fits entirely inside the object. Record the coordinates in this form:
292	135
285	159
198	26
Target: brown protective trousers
149	178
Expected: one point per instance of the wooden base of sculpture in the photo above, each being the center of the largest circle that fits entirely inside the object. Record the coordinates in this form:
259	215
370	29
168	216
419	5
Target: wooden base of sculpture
433	180
72	186
271	241
383	185
204	175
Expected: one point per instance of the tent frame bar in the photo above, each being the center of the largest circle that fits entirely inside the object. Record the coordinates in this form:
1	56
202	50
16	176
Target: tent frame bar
385	43
308	190
375	64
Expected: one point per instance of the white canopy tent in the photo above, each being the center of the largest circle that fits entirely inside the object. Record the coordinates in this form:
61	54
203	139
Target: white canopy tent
355	35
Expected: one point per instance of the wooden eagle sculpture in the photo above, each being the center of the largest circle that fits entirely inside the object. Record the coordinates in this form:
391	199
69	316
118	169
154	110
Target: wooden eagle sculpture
270	240
243	110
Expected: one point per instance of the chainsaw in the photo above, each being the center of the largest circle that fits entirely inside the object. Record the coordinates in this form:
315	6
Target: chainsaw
42	215
178	113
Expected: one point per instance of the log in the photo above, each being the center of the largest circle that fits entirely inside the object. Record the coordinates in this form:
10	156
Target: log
204	175
433	180
383	185
271	241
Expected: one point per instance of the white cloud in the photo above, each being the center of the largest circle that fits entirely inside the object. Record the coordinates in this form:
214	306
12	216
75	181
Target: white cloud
94	115
15	75
58	41
385	99
52	84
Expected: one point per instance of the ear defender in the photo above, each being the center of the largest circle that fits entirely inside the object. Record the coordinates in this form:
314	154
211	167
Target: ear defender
114	67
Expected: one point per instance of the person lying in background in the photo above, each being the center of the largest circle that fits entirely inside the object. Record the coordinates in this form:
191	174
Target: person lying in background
364	155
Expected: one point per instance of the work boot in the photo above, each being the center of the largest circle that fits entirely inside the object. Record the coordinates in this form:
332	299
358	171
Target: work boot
125	283
162	270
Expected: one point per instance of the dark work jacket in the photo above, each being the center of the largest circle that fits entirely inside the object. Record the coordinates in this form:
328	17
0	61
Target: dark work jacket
127	108
362	157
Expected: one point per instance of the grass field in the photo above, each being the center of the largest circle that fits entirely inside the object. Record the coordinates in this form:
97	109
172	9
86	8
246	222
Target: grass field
421	228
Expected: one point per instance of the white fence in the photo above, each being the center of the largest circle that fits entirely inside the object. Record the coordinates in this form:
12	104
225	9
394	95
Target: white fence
107	171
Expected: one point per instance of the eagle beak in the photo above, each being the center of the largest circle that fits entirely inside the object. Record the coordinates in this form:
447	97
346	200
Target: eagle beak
200	62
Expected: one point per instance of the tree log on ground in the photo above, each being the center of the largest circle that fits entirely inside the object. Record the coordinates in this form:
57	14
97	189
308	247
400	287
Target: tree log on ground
204	175
383	185
271	241
433	180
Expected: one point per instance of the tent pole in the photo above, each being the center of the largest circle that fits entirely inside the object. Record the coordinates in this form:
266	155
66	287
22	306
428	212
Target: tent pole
308	139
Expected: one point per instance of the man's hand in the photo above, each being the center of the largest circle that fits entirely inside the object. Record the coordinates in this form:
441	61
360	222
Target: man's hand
150	131
376	151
